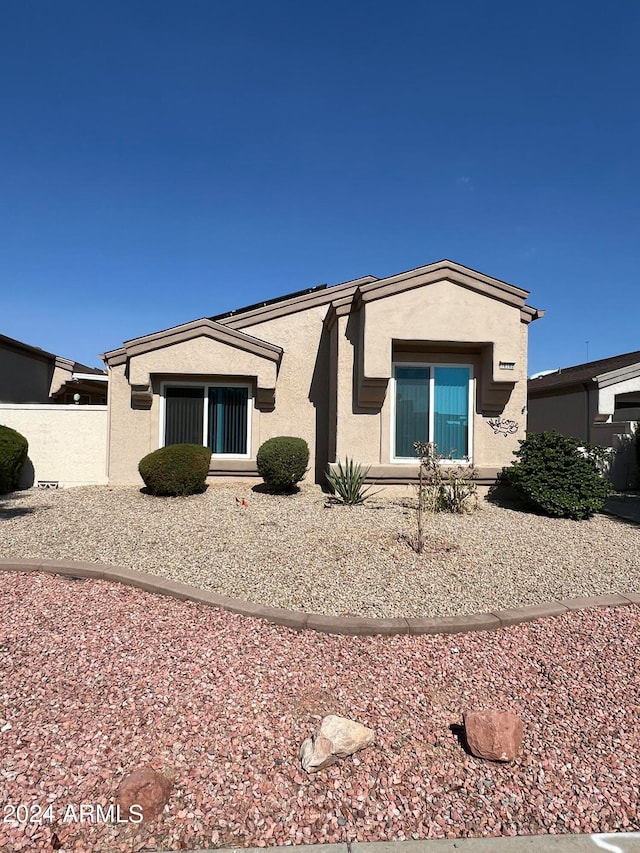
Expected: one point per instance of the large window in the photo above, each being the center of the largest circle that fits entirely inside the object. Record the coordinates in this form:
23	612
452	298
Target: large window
217	416
432	402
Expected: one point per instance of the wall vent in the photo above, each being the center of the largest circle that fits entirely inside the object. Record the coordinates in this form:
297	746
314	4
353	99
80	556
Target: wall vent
507	365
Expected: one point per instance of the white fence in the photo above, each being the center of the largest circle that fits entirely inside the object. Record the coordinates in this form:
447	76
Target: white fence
67	444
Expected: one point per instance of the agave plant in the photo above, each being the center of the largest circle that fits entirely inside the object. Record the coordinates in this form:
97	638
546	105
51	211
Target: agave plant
348	483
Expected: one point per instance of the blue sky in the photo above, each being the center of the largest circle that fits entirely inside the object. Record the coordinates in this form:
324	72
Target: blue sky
163	161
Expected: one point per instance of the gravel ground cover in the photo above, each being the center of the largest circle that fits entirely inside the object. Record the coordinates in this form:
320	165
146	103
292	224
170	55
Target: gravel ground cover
297	552
99	679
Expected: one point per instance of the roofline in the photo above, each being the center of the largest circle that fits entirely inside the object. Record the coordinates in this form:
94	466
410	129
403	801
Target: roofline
607	377
267	302
612	377
294	304
187	331
457	273
91	377
20	345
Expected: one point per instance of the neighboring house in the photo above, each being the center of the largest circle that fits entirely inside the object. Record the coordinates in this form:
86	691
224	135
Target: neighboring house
598	401
31	375
589	401
361	369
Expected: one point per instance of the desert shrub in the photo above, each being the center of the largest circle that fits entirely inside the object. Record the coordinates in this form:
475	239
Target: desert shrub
13	453
559	476
178	469
441	487
282	462
348	483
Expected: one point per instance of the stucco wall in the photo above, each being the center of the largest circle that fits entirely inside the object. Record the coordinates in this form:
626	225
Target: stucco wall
302	390
201	356
570	412
66	443
301	401
442	311
131	434
24	378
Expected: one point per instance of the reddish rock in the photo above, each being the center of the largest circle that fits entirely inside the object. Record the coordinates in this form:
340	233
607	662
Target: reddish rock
144	788
494	735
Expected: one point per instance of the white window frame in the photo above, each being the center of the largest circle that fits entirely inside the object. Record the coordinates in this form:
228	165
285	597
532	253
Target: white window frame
205	427
403	460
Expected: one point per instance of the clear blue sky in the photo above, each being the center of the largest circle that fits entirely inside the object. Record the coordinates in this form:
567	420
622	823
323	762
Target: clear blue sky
163	161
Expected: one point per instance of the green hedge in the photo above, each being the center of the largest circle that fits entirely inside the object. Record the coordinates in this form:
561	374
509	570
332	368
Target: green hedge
13	453
558	476
178	469
282	462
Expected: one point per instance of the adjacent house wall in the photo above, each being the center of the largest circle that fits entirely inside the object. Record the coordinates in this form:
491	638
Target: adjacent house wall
24	377
67	444
570	411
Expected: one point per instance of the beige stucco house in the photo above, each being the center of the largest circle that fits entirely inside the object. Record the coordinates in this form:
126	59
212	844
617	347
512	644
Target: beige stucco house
598	402
361	369
29	374
589	401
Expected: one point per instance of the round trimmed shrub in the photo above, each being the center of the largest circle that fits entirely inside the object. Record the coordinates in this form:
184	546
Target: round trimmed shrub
178	469
558	476
13	454
282	462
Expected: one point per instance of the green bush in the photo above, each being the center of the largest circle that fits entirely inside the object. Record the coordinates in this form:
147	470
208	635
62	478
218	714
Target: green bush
13	453
348	483
282	462
559	476
178	469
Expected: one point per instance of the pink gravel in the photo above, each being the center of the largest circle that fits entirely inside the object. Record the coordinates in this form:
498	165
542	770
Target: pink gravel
99	679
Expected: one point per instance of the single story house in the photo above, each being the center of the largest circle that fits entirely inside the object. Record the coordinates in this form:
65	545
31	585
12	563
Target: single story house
598	402
29	374
361	369
591	401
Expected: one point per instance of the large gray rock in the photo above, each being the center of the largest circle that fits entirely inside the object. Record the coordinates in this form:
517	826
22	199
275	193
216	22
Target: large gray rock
336	738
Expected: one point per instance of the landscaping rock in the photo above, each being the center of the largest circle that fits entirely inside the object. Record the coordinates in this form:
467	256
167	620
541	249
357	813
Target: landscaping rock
493	735
336	738
144	788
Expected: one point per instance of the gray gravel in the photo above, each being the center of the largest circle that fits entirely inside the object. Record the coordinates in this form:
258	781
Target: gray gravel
301	553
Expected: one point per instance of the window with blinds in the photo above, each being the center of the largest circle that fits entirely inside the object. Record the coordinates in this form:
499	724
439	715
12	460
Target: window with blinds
432	403
214	415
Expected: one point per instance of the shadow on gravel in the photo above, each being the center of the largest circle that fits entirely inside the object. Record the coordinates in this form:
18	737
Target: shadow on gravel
7	510
263	489
461	736
145	491
622	512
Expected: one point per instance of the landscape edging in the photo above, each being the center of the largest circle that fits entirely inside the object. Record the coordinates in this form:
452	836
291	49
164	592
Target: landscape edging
298	620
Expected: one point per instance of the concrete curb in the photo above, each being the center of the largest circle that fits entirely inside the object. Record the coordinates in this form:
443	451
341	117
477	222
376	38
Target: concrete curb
623	842
345	625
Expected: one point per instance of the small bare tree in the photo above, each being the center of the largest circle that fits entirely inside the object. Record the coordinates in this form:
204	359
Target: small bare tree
441	488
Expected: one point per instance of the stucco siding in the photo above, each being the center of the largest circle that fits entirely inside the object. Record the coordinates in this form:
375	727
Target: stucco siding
567	412
442	311
358	430
130	430
302	390
24	378
67	444
201	356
